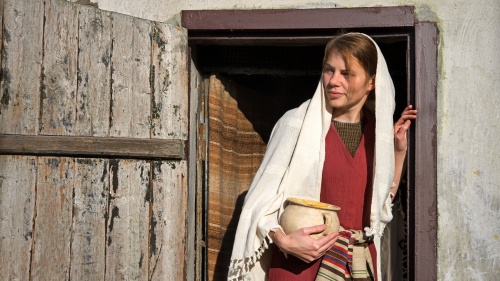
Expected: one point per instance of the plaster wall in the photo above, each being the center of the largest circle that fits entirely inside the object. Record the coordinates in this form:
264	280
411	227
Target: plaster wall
468	159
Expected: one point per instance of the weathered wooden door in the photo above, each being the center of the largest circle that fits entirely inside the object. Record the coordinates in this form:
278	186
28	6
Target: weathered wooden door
93	125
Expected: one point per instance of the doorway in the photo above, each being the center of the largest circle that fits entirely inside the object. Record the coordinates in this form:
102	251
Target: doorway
250	88
250	80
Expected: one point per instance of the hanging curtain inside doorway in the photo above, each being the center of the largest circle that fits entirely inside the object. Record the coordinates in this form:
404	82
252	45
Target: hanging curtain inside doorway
239	126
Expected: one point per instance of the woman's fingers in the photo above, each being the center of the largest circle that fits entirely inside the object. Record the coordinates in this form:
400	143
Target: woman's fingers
404	122
401	128
327	242
407	115
310	249
314	229
324	244
331	239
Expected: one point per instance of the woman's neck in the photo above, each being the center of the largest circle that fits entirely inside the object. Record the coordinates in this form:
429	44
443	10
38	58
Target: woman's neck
347	117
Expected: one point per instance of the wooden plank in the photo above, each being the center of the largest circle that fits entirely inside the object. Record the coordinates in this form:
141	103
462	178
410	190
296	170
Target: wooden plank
54	206
89	225
169	101
131	93
195	207
128	221
168	221
425	231
58	106
90	146
2	4
205	20
94	72
21	66
17	206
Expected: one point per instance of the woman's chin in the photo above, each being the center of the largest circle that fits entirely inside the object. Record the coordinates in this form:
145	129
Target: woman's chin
335	104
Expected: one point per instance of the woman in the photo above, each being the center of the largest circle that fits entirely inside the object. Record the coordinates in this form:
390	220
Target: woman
332	148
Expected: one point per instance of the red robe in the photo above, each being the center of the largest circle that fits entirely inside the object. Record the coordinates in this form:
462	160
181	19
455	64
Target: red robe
347	183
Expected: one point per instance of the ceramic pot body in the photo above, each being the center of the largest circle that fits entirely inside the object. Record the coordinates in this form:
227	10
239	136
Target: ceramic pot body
301	213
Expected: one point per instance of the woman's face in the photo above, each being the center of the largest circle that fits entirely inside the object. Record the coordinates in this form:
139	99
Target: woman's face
346	89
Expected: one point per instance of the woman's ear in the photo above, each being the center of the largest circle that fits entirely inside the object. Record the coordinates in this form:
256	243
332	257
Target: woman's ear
371	83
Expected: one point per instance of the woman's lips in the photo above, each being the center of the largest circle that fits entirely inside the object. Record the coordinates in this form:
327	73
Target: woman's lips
335	95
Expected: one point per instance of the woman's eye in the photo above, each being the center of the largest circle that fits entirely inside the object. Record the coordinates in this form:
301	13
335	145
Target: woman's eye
345	73
328	70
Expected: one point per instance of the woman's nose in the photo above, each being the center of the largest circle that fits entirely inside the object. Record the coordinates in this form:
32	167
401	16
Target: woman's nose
335	79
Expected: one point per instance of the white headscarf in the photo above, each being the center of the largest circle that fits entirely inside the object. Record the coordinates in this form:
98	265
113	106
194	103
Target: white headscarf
293	166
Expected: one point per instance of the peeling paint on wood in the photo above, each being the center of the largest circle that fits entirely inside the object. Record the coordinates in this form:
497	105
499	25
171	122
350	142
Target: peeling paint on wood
94	72
17	201
130	62
89	225
167	245
21	66
54	208
58	105
195	208
128	221
99	74
169	81
88	218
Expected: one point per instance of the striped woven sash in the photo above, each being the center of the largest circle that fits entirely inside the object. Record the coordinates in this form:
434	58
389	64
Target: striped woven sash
347	259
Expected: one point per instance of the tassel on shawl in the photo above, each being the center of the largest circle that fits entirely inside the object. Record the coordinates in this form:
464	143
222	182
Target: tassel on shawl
239	269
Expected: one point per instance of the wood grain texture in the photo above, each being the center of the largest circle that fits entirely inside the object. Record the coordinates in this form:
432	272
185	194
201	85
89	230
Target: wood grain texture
94	72
59	105
21	66
90	146
1	57
167	247
17	203
131	93
286	19
78	91
54	208
169	101
425	232
194	239
128	221
91	183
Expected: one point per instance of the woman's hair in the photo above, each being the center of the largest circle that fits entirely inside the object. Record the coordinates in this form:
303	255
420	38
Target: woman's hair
354	45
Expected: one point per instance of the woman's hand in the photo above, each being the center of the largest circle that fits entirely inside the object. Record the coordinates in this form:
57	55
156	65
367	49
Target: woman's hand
401	145
401	129
301	245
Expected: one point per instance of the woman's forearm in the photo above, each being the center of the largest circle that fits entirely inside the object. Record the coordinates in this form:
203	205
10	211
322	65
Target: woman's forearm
399	160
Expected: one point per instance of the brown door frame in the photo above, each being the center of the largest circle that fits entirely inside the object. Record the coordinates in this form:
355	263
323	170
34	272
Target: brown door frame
253	26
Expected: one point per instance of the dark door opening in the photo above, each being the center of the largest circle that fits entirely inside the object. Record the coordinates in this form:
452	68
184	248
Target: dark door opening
288	75
258	84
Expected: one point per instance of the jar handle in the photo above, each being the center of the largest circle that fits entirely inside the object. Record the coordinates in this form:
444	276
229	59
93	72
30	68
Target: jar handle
328	220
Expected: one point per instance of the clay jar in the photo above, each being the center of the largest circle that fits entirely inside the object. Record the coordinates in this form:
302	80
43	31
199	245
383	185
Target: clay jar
301	212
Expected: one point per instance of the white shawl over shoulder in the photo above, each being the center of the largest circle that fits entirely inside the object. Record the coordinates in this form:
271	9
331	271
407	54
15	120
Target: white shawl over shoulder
293	166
